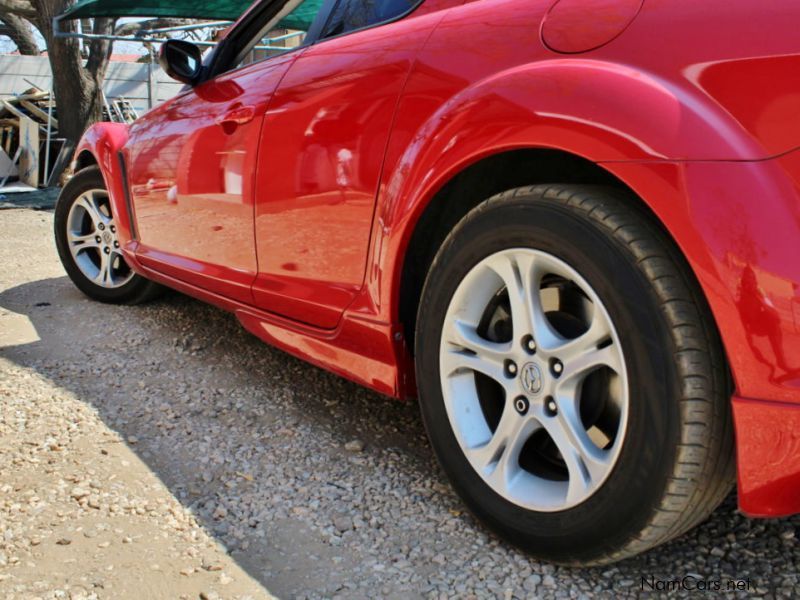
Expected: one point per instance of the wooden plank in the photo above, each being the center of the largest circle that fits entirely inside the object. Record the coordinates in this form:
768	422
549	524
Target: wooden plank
14	161
18	113
38	112
29	159
12	109
7	166
33	96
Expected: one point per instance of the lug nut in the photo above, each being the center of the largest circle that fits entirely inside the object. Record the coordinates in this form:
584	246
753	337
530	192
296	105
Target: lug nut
107	250
116	244
100	226
521	404
529	344
557	367
511	368
113	229
97	239
550	406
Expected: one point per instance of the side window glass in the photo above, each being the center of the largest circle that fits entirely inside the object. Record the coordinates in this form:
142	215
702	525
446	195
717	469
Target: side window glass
289	33
357	14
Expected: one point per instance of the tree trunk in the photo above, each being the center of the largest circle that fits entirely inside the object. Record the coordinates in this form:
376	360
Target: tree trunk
77	88
20	33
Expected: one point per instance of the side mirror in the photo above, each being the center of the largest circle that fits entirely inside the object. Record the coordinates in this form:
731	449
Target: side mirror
181	60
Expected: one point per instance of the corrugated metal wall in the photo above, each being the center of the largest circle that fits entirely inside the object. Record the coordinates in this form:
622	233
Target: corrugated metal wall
128	80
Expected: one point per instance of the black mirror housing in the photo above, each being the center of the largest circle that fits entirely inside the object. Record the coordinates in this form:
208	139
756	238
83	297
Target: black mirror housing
181	60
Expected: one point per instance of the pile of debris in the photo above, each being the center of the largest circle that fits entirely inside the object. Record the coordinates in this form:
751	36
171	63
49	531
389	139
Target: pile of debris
32	154
28	121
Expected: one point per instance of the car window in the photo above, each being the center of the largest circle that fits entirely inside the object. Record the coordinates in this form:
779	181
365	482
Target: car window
289	33
350	15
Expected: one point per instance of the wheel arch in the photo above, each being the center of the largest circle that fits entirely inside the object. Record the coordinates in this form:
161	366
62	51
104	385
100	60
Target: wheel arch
551	109
83	159
101	145
490	175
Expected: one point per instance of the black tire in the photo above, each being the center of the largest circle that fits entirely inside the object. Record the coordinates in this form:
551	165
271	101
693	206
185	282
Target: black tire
134	291
677	461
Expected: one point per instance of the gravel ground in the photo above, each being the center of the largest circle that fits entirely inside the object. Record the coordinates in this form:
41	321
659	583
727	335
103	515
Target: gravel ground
207	449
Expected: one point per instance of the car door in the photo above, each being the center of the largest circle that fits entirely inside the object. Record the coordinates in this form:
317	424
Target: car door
191	169
322	148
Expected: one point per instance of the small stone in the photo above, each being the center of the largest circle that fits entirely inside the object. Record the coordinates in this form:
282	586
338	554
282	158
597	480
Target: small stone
220	513
187	571
127	540
549	581
103	544
532	582
64	541
224	578
78	493
343	523
354	446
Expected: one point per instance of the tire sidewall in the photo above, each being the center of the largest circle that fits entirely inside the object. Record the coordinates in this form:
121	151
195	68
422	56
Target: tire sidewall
626	501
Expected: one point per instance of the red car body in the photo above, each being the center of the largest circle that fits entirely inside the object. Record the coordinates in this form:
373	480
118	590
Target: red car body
288	191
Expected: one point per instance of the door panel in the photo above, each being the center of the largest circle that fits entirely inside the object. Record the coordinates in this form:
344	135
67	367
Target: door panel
192	164
322	149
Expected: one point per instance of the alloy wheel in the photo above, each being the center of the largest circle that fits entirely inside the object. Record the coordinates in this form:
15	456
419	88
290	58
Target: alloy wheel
533	379
93	242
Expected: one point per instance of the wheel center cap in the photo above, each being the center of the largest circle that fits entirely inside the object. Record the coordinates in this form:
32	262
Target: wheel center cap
531	377
107	237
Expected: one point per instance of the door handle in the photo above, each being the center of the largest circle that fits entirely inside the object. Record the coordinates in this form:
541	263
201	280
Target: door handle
236	116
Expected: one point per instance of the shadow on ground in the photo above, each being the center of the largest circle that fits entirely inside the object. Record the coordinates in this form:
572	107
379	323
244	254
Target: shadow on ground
252	441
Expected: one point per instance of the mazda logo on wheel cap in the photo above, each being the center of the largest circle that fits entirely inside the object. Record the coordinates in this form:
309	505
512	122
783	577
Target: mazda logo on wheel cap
532	378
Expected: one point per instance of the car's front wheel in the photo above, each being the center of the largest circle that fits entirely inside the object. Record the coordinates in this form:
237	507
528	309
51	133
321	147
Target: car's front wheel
570	377
87	243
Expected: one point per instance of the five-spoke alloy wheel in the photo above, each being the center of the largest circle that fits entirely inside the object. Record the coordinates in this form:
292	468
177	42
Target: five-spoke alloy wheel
570	376
93	243
86	233
534	379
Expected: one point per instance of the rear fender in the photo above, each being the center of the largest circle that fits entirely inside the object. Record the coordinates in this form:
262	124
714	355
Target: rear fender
600	111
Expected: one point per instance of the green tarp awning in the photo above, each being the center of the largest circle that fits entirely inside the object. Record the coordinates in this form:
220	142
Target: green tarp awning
227	10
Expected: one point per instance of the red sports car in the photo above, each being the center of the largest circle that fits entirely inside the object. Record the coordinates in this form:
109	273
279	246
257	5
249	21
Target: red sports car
571	228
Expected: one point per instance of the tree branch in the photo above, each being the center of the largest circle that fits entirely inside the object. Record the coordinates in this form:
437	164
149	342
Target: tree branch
141	26
100	50
20	8
19	31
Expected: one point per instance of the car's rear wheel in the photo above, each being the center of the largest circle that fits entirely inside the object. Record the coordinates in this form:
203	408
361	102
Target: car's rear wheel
570	376
86	238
